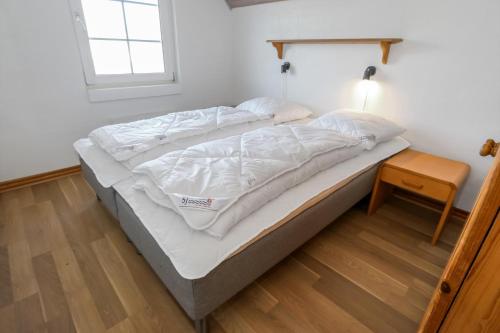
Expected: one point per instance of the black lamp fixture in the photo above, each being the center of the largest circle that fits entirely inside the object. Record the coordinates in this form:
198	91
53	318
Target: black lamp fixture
369	72
285	67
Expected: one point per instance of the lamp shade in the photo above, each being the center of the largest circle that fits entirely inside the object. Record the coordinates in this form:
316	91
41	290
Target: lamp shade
369	72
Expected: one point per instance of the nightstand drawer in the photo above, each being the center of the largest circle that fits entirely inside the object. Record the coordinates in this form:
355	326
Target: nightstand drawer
415	183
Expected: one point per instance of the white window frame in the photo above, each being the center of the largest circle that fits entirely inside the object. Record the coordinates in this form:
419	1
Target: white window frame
167	26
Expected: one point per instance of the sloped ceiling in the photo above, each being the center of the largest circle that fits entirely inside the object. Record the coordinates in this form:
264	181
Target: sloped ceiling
242	3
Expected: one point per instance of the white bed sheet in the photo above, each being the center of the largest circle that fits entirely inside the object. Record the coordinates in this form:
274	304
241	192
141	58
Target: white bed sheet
194	254
109	171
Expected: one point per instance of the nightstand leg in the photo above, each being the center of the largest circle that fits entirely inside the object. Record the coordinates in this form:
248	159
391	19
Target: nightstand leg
380	191
444	217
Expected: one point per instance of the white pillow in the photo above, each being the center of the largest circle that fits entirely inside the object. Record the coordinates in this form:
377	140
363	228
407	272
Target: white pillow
371	129
283	111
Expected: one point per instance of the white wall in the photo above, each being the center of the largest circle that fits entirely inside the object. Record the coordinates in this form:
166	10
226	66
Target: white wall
44	106
441	83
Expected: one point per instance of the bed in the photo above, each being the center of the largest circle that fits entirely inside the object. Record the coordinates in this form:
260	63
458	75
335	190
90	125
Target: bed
286	223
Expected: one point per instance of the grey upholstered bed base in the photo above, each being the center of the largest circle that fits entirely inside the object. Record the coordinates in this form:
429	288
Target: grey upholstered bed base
105	195
200	297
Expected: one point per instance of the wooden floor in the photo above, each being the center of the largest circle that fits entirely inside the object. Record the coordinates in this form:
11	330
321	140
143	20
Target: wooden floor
66	266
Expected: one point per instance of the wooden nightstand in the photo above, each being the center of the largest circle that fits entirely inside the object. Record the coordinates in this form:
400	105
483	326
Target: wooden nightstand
431	176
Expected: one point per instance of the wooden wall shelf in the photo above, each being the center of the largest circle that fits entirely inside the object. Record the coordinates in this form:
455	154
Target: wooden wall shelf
385	43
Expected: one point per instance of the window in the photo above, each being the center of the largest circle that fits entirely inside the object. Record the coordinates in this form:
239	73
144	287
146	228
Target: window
125	42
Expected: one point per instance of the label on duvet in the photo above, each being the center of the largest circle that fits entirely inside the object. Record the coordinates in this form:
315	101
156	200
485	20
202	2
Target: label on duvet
184	201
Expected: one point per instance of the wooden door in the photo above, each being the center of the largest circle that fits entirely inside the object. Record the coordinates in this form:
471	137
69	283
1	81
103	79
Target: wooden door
477	305
471	240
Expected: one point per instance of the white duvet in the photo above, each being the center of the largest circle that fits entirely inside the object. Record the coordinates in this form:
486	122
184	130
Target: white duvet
127	140
216	184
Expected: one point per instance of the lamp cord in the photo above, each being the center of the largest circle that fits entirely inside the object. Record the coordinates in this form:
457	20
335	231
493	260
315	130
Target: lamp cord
284	88
366	98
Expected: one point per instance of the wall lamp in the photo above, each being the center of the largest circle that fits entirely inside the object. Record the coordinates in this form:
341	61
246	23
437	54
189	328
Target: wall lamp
369	72
285	67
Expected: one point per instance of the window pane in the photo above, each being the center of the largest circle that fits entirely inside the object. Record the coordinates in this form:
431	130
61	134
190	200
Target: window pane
104	18
110	57
143	21
147	57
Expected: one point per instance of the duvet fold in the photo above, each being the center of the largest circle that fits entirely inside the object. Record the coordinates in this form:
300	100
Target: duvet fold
214	185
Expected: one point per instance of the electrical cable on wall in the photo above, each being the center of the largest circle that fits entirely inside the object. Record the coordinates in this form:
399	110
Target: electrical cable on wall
366	98
284	78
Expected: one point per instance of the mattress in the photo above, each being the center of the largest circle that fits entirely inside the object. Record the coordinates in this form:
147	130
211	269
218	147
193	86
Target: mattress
194	254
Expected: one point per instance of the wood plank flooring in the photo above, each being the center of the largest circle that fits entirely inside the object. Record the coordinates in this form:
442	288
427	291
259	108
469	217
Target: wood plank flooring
65	266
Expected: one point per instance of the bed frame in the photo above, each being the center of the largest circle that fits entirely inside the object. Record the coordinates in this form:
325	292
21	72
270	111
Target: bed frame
199	297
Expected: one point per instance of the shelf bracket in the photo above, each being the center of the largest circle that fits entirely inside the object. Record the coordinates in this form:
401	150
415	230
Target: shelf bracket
386	48
279	49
